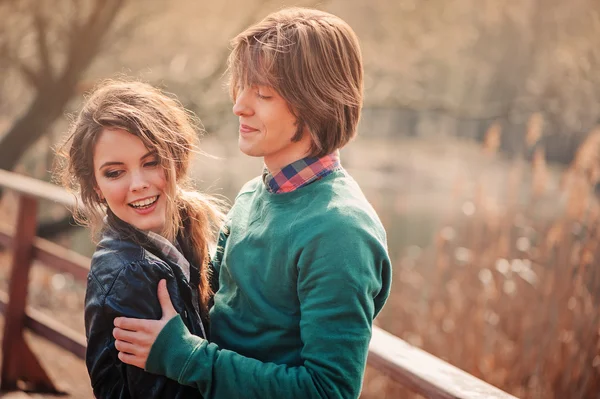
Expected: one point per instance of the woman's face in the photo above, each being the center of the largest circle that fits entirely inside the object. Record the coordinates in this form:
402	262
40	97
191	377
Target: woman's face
131	180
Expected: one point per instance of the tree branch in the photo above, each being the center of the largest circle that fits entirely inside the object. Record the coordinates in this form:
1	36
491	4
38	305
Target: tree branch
4	53
40	25
85	43
100	7
127	26
31	76
221	68
52	95
76	7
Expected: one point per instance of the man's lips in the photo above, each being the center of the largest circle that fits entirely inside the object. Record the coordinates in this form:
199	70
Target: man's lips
247	129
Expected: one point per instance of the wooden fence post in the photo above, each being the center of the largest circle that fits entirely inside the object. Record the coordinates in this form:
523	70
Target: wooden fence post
19	363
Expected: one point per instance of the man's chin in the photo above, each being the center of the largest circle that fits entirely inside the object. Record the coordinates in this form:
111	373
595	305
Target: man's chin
251	152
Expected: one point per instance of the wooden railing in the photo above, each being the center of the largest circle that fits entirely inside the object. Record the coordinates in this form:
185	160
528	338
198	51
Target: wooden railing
416	369
19	364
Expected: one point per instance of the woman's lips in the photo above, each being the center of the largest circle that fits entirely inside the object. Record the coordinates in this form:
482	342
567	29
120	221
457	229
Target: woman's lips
145	211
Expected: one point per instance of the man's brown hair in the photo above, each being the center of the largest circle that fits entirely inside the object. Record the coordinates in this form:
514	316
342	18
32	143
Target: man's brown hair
313	60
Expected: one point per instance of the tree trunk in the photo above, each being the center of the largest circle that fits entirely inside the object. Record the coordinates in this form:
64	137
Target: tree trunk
44	110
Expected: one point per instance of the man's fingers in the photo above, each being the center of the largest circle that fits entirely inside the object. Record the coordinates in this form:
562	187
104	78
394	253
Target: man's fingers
132	359
126	323
135	337
123	346
168	311
125	335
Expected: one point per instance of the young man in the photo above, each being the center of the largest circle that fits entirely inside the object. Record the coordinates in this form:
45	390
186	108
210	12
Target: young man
302	265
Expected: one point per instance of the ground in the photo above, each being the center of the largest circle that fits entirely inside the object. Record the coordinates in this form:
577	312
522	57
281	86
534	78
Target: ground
67	371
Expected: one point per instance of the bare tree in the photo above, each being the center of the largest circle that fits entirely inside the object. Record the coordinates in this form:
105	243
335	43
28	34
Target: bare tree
50	45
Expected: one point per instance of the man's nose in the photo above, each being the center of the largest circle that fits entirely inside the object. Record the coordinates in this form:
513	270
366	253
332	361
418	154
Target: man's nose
241	106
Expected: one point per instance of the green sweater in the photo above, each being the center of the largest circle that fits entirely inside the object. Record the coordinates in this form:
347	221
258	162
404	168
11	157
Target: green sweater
302	276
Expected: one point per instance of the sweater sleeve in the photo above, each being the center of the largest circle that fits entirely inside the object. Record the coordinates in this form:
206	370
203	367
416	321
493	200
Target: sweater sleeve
342	284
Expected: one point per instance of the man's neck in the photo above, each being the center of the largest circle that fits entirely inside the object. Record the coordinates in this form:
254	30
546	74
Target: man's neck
275	167
290	154
275	163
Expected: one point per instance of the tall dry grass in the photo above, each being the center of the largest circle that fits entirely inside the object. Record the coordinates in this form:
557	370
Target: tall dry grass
510	291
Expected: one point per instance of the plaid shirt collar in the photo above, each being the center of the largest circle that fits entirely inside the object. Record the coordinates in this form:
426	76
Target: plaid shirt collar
170	251
300	173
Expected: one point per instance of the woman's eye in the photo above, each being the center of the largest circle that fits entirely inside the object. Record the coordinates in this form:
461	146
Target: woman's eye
151	164
112	174
262	96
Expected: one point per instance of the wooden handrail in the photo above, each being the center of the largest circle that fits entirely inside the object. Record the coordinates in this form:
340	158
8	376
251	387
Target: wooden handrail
412	367
424	373
36	188
52	255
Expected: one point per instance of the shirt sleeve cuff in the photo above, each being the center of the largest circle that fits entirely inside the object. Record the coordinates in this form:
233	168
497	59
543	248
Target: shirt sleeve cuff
172	349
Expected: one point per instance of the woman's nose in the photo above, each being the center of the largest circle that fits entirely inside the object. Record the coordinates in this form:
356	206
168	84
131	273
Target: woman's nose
138	181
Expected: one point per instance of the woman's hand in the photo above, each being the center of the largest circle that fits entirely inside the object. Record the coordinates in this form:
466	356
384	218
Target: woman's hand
135	337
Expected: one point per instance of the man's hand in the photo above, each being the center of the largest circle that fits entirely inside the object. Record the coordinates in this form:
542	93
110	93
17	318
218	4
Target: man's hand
134	337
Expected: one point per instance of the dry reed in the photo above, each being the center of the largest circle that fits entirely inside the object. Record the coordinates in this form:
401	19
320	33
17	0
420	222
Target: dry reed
510	293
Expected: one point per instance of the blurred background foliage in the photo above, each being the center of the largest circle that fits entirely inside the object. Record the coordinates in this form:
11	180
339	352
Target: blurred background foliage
478	147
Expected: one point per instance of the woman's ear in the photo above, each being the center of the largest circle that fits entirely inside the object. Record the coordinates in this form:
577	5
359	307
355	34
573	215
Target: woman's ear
99	194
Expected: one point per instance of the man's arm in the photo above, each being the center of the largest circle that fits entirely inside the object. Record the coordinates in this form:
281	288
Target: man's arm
340	288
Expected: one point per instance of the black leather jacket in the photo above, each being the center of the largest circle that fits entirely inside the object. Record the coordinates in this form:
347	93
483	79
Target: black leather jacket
122	282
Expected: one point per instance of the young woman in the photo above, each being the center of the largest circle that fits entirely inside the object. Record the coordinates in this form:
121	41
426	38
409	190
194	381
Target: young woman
127	158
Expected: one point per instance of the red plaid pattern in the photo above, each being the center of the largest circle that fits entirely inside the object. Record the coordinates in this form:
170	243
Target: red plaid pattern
170	252
301	173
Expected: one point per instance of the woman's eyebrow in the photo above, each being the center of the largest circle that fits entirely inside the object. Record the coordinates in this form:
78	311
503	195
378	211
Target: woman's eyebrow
105	164
148	154
111	163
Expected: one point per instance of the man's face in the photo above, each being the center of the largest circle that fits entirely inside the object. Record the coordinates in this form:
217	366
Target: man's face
267	126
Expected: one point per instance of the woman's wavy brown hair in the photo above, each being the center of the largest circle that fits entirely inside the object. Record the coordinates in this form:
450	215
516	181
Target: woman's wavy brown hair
164	126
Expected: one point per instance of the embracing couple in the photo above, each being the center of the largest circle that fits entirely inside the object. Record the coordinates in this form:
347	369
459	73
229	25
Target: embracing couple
284	307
